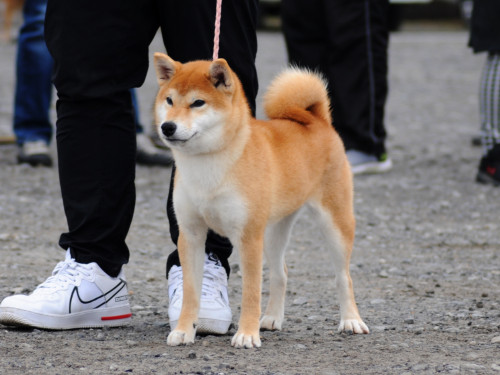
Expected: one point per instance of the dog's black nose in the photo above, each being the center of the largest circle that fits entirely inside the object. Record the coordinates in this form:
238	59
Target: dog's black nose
168	128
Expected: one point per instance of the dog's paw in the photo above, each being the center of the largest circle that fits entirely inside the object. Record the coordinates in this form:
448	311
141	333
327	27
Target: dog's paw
246	340
177	337
270	323
352	326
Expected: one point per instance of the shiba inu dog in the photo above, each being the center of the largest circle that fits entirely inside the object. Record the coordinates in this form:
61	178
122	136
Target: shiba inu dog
247	180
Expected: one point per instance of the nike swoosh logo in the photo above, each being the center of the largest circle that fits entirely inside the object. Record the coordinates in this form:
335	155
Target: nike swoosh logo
105	296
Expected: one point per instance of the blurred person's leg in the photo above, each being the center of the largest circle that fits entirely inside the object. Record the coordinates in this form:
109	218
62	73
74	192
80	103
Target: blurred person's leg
33	90
94	69
489	102
347	41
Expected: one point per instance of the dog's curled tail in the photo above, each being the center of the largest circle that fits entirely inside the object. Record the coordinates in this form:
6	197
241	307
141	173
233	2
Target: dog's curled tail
297	94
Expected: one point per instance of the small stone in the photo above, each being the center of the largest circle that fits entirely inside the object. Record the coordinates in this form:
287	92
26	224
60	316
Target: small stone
410	321
470	357
192	355
495	340
235	267
383	274
378	328
299	301
472	366
314	317
420	367
131	343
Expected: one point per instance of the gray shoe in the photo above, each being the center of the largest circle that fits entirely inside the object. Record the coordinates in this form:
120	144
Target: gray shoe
148	154
363	163
35	153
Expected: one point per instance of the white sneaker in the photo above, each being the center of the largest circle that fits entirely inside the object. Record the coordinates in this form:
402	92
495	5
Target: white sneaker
215	315
75	296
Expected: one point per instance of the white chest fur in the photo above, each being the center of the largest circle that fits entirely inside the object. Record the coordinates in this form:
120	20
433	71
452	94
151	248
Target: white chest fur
203	191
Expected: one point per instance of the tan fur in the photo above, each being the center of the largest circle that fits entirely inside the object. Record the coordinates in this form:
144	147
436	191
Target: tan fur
247	179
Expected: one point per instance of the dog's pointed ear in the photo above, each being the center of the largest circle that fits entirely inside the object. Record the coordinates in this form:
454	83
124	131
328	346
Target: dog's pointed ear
220	75
165	67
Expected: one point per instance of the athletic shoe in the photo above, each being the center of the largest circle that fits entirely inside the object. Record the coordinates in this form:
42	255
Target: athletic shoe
215	313
489	167
34	153
75	296
363	163
148	154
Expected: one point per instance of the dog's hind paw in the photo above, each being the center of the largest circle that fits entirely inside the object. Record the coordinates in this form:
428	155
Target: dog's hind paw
270	323
247	341
176	338
353	326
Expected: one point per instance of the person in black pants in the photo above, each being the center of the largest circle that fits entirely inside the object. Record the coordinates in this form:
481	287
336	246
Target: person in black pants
347	41
100	51
485	37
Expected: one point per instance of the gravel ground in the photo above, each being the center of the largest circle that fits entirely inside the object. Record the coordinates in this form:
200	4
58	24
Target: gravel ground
426	265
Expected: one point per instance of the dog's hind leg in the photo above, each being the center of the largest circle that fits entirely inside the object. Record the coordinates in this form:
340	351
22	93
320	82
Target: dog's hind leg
276	240
337	223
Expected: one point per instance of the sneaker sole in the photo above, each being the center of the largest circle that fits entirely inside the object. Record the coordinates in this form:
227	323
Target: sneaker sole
109	317
485	178
35	160
208	326
372	168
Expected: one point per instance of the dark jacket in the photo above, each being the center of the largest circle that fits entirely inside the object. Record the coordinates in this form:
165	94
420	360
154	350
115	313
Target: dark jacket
485	26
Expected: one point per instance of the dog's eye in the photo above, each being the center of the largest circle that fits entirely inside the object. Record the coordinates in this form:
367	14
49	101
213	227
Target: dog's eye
169	100
197	103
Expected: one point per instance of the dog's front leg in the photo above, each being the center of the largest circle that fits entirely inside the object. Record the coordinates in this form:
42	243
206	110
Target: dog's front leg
248	335
191	254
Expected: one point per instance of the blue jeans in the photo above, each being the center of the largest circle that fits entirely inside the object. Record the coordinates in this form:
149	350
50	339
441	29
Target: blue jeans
33	90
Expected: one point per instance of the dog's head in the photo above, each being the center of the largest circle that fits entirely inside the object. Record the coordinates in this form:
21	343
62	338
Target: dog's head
195	109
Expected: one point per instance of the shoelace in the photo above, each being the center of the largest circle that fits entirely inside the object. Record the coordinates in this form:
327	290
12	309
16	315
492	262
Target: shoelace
66	273
212	279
